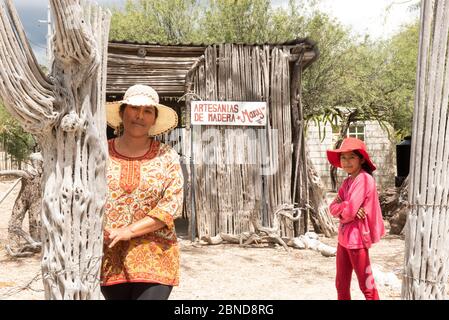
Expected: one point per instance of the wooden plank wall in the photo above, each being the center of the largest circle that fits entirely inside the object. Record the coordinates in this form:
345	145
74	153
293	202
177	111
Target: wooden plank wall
162	67
229	161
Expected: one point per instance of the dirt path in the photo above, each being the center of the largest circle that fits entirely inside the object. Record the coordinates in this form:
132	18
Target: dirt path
223	271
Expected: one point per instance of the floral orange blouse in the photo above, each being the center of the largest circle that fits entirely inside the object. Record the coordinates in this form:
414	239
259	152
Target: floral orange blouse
151	185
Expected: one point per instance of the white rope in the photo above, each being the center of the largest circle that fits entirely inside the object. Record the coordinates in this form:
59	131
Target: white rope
9	190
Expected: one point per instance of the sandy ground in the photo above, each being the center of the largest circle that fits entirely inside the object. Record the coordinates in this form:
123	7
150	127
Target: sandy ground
222	271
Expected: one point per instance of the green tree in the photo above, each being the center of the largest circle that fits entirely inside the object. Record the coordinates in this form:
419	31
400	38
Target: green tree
400	78
14	140
374	79
235	21
169	21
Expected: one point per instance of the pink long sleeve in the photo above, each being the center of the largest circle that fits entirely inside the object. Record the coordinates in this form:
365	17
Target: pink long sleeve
353	193
335	208
356	192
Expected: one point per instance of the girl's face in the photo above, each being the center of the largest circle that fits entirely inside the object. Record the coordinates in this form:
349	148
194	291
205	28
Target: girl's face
351	162
138	120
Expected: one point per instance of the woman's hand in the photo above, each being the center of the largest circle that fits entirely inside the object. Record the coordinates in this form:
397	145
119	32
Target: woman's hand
116	235
361	213
106	236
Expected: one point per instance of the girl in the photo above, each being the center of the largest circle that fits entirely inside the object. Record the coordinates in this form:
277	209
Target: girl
357	206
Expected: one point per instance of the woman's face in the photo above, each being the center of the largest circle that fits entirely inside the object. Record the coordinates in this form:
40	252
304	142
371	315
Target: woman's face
138	120
351	162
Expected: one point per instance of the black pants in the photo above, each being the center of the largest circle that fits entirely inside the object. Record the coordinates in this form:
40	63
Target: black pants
136	291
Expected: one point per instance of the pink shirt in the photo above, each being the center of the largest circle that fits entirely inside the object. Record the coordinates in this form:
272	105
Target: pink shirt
355	233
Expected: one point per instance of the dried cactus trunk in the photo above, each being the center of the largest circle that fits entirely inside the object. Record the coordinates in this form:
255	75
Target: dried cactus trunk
28	200
427	230
66	114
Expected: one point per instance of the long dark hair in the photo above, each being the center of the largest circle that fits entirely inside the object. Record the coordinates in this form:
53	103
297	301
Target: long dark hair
365	165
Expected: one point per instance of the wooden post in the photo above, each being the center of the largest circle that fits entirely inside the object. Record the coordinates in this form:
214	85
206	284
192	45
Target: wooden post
190	194
66	113
307	186
427	230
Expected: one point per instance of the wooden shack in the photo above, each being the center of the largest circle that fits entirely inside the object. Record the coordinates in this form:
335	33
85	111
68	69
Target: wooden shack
222	195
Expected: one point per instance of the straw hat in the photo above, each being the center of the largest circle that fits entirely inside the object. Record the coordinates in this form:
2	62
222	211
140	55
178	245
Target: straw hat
348	145
143	95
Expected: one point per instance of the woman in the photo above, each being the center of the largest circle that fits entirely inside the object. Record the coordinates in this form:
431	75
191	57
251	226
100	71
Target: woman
141	254
357	206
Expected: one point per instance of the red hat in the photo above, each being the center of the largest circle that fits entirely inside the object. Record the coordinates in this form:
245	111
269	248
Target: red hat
348	145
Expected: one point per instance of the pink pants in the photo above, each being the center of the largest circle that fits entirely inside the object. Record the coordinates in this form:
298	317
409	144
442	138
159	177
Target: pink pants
357	260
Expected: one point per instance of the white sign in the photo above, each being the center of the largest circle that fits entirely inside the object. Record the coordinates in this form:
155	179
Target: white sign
229	113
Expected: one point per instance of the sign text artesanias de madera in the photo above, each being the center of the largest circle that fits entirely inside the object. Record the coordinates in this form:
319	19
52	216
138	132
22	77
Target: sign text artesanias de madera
230	113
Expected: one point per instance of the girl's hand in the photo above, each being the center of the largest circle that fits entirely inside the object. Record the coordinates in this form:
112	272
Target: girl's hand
338	199
361	213
116	235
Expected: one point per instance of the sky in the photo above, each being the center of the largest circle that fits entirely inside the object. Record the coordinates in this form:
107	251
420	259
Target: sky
30	12
371	16
362	16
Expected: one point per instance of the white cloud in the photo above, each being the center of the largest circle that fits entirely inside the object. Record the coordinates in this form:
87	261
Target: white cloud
371	16
30	4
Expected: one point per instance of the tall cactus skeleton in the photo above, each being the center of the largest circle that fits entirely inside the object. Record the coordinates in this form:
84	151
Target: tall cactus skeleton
65	111
427	229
